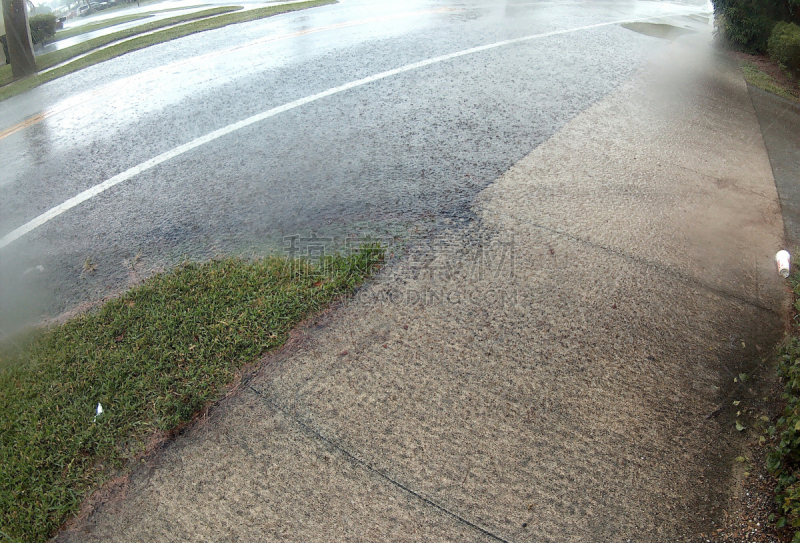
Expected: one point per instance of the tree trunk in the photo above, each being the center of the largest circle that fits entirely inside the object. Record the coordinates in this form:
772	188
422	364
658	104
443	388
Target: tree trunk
18	35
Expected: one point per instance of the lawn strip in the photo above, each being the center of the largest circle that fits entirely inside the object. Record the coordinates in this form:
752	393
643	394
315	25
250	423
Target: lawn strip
153	358
764	81
91	27
57	57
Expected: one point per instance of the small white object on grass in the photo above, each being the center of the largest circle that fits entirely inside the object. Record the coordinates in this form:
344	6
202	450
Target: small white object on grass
99	412
783	260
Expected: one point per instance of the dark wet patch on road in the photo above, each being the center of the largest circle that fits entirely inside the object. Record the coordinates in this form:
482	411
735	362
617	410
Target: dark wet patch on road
658	30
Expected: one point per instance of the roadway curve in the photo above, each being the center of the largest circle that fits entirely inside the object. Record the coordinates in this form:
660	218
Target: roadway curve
401	151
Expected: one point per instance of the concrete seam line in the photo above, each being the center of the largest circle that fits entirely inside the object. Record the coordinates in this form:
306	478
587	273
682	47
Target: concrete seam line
354	459
652	264
216	134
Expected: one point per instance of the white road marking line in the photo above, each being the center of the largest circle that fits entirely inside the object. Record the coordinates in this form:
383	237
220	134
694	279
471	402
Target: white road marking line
186	147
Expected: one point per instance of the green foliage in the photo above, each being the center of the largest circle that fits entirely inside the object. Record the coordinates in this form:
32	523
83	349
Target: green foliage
746	24
153	358
784	461
784	45
91	27
42	27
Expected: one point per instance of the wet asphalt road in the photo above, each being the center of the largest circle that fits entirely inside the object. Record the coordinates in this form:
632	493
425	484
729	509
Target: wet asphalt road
387	158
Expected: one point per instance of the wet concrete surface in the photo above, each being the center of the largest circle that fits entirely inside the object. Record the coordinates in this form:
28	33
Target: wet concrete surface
546	370
780	125
380	158
588	220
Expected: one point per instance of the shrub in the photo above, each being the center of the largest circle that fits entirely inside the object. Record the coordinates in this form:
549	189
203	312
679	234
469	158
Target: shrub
747	24
42	27
784	45
784	461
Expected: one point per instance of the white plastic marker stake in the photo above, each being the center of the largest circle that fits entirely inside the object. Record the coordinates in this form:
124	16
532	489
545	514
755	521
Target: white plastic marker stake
783	259
99	412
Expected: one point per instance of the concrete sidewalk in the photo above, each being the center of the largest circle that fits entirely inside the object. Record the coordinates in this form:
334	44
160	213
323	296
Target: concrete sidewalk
780	126
545	372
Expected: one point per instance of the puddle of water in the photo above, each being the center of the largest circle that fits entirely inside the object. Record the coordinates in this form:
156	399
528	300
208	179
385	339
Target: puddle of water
658	30
698	18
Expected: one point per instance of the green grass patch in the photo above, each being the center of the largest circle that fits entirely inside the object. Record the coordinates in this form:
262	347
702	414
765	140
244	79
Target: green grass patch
153	358
764	81
91	27
121	7
178	8
99	25
12	89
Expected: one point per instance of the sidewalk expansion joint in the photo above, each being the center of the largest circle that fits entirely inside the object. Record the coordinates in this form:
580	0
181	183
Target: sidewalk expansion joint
666	270
754	193
366	465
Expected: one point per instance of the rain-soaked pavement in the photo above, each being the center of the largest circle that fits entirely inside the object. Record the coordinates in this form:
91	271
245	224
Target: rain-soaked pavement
384	158
555	363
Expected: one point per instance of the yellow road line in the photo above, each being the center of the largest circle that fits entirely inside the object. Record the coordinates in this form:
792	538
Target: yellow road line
67	104
24	124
